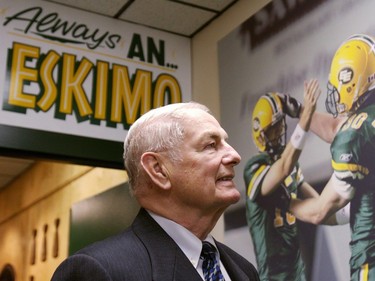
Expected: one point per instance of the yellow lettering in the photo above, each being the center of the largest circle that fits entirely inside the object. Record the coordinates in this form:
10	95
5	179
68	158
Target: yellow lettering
40	81
101	90
71	86
20	73
166	82
46	71
131	100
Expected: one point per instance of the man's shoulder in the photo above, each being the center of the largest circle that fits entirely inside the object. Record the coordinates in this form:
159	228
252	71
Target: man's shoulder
107	259
123	242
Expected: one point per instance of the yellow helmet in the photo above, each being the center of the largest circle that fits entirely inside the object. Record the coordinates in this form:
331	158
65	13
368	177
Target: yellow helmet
268	124
352	74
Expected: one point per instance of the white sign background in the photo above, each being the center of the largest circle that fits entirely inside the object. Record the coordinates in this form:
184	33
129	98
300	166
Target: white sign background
177	52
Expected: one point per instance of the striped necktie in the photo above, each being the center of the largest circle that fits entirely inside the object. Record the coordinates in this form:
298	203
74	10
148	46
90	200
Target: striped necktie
210	266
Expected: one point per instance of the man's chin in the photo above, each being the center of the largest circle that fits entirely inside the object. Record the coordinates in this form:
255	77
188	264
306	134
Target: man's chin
233	196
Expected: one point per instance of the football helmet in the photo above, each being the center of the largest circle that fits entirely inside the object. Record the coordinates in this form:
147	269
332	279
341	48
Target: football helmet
352	74
268	124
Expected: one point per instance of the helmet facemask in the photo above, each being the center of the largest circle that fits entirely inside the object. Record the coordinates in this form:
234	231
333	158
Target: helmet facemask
333	99
275	137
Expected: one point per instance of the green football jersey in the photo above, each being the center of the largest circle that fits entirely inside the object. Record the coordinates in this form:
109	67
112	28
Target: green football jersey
353	161
273	229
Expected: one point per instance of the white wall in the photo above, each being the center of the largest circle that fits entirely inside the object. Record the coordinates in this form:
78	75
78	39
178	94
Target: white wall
205	76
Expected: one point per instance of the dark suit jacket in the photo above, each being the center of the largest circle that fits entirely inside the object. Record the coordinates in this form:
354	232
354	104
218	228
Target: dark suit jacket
144	252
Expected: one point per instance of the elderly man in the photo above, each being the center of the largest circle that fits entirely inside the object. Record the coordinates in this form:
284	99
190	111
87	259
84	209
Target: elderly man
181	172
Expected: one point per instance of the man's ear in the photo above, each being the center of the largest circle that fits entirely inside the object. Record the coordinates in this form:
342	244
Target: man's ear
153	164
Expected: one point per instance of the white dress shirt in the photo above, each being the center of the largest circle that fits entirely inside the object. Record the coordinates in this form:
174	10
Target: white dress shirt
190	244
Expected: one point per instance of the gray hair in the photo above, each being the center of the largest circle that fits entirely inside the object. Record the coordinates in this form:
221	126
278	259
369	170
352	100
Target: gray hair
159	130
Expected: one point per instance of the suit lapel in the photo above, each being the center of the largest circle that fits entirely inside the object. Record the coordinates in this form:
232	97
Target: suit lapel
167	259
234	271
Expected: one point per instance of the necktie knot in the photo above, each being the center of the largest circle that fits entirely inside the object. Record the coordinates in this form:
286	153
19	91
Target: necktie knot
208	250
210	266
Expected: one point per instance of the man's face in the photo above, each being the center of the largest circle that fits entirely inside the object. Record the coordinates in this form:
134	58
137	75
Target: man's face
204	176
275	136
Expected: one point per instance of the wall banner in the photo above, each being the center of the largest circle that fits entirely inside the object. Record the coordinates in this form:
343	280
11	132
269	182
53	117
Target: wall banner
277	49
72	82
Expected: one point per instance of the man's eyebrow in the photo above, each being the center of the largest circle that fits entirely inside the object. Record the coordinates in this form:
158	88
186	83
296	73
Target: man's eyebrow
214	135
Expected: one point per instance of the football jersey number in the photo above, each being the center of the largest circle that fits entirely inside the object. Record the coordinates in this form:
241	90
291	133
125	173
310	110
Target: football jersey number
355	121
279	220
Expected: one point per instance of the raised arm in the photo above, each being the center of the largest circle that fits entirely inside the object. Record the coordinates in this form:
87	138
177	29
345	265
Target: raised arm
324	125
289	157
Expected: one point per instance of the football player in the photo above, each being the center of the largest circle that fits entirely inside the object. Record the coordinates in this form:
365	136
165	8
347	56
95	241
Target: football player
350	98
272	177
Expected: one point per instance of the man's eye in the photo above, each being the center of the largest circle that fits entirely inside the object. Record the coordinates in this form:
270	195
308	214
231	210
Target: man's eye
211	145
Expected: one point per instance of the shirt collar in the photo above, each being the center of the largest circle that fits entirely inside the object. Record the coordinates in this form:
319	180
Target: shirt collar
190	244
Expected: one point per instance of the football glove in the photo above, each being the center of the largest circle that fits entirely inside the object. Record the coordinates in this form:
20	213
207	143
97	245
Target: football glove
291	106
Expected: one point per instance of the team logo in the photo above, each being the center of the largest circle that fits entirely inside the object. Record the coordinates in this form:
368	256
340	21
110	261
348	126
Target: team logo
256	124
346	157
346	75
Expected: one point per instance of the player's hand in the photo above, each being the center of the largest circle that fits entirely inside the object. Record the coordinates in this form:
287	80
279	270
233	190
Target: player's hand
291	106
311	95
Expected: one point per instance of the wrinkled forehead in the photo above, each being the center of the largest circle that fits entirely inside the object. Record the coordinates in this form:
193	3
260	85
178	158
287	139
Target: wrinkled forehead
201	123
197	116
